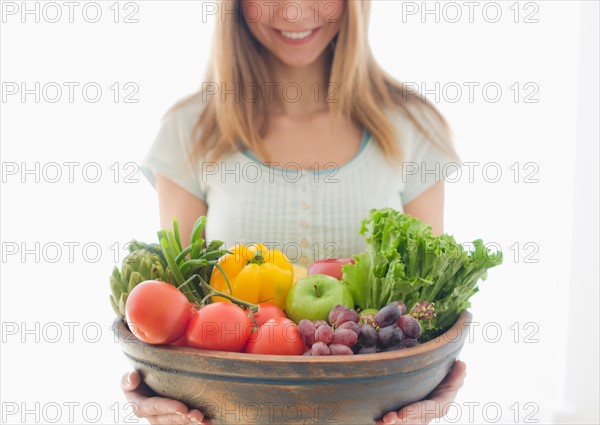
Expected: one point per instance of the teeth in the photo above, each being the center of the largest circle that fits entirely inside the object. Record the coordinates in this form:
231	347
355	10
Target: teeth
296	35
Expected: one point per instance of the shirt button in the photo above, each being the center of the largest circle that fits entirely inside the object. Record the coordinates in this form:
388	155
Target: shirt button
304	261
305	205
304	243
305	224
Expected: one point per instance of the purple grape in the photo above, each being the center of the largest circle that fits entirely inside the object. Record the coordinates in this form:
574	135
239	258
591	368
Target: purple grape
307	353
307	329
320	323
409	343
344	337
399	304
340	350
336	311
346	316
324	334
389	336
410	326
387	316
320	349
367	335
355	327
369	349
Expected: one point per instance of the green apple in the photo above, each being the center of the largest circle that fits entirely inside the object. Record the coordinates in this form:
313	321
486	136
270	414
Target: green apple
313	297
372	311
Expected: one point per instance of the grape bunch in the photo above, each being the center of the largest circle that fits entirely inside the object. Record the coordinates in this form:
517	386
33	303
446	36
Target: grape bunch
350	333
388	330
334	338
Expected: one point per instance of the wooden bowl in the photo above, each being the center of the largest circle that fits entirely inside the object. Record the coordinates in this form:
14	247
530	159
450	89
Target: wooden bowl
263	389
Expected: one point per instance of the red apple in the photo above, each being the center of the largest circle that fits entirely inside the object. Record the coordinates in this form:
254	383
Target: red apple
331	267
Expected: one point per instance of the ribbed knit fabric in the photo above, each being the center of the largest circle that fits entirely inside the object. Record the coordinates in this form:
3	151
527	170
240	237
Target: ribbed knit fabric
308	215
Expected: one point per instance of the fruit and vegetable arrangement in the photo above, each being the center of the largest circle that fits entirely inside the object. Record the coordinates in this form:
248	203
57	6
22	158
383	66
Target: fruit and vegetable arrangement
405	289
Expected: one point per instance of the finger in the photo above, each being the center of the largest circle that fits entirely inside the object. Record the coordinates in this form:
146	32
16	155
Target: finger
457	373
130	381
198	417
421	413
204	422
169	419
459	369
136	392
179	419
446	391
413	414
389	418
154	406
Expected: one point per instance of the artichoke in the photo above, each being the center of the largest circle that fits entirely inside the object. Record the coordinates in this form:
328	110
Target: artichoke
137	267
423	310
154	248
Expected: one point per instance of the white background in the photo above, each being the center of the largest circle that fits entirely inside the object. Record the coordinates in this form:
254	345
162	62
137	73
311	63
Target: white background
547	290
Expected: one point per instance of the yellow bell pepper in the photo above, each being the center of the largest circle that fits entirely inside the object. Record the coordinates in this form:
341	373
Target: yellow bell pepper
255	273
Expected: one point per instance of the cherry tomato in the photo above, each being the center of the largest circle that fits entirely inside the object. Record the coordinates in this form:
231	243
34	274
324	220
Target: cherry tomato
277	336
219	326
331	267
157	313
268	311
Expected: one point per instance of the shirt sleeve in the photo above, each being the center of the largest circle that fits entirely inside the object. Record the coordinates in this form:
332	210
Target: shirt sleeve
424	166
170	153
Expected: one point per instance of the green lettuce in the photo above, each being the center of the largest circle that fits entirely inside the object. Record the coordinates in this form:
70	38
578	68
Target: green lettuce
405	262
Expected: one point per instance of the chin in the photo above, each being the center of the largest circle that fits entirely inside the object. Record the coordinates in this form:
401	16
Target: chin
298	60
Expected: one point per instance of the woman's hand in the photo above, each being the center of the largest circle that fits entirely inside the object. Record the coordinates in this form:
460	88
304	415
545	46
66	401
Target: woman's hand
435	406
157	410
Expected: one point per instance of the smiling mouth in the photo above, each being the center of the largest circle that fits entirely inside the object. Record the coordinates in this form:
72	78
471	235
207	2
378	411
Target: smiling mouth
296	35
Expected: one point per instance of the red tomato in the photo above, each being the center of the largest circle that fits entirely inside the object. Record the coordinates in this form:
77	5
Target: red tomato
157	313
219	326
331	267
277	336
268	311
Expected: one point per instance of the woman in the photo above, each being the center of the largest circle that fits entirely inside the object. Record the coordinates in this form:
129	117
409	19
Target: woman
296	134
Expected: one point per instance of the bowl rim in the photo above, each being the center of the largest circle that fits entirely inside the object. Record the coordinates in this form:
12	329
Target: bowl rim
460	327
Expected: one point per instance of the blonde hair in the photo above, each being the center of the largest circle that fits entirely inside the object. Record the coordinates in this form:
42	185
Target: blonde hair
365	96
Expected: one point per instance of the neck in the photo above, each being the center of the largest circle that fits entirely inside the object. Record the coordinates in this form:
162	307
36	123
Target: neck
301	89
